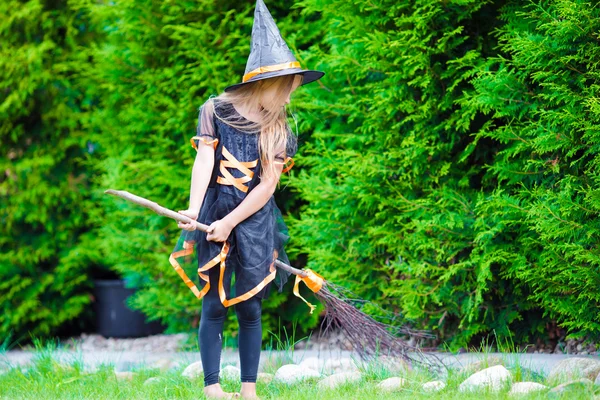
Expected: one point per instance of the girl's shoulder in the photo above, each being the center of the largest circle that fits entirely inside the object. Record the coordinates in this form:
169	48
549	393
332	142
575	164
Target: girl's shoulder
220	107
213	105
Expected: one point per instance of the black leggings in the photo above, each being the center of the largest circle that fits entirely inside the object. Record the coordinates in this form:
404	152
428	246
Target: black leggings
210	335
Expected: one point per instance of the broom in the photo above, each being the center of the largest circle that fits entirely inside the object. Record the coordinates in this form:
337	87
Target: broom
369	337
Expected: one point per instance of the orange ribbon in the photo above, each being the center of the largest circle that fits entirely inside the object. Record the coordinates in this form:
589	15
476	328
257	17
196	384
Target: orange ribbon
232	162
288	167
270	68
230	302
213	142
314	282
188	248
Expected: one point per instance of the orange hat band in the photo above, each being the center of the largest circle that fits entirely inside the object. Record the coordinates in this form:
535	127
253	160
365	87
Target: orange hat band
270	68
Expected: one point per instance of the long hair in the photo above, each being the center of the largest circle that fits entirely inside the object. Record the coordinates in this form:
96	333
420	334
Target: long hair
267	97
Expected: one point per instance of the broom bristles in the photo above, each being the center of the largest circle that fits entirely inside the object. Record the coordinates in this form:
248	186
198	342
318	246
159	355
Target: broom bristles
369	337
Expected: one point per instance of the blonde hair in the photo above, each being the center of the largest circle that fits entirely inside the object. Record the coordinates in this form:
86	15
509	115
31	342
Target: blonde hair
267	96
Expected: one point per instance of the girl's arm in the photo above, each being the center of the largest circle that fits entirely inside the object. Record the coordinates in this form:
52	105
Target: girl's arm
255	200
201	173
203	163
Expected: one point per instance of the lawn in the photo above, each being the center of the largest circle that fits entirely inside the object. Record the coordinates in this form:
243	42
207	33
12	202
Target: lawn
46	378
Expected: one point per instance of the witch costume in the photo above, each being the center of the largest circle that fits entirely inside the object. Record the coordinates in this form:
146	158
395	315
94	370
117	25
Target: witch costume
244	265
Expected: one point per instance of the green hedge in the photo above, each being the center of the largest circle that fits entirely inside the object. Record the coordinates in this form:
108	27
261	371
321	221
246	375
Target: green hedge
447	164
541	218
451	174
45	199
391	176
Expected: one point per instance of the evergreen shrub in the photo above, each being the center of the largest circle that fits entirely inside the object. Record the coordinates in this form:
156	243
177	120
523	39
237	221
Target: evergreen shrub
542	220
45	194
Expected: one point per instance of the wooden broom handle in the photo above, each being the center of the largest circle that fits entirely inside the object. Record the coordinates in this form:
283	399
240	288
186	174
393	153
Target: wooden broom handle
160	210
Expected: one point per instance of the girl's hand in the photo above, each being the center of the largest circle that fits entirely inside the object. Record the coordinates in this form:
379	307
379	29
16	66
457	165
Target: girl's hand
219	231
193	214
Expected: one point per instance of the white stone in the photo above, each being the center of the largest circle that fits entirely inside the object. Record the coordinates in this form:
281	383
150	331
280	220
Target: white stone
573	368
264	377
154	380
433	386
312	363
572	386
334	365
338	379
193	370
292	373
391	384
493	378
230	373
525	387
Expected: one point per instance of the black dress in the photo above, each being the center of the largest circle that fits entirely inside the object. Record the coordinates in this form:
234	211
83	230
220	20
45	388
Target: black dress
244	266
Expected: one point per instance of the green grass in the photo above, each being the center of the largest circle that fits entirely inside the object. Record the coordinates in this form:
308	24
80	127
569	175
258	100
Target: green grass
45	378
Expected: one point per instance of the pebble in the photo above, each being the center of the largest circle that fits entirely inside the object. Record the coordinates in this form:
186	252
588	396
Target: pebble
493	378
433	386
264	377
193	371
573	368
573	385
292	373
154	380
230	373
391	384
525	387
338	379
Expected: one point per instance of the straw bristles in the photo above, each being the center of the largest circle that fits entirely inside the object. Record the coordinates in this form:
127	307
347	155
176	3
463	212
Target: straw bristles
370	338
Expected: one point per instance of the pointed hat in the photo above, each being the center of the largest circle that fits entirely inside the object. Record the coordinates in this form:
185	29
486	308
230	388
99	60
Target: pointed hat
269	54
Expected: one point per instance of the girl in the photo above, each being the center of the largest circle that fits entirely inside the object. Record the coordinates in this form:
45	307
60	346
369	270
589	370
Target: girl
244	133
243	145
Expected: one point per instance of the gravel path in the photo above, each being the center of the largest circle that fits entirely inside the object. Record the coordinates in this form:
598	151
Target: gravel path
161	351
130	360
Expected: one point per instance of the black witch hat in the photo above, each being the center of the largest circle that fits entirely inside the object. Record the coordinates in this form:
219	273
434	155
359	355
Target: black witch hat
269	54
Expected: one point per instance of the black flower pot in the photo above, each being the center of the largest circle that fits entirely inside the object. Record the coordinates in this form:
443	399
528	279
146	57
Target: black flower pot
114	318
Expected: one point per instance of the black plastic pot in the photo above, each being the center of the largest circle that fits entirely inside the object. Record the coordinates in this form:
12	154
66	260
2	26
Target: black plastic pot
114	318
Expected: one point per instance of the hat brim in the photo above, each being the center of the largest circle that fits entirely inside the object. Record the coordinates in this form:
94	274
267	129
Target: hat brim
309	76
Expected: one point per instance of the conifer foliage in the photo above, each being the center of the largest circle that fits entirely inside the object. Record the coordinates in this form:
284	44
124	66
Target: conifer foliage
447	169
45	199
451	178
542	218
391	178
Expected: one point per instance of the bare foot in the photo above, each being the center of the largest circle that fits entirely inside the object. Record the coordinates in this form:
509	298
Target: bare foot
216	392
249	396
248	391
